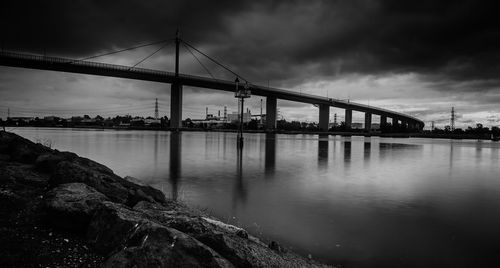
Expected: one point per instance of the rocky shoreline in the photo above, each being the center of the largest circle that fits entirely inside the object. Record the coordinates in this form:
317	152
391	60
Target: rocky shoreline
61	210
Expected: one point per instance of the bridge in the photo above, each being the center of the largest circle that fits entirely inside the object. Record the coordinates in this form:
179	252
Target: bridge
178	80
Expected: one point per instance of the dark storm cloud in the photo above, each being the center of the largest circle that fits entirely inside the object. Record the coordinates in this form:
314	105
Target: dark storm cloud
286	42
82	27
458	40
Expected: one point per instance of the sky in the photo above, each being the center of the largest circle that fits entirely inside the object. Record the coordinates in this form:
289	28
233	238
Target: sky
416	57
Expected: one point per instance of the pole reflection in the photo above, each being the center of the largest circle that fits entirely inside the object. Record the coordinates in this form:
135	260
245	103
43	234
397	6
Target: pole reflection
367	150
175	162
155	149
240	191
323	151
347	153
270	153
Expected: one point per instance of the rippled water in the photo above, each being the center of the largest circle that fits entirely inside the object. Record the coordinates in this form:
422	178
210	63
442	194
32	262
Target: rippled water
356	201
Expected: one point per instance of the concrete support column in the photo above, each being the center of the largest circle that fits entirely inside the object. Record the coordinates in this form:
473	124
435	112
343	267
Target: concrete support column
404	124
368	121
348	118
271	111
324	114
383	121
395	122
176	106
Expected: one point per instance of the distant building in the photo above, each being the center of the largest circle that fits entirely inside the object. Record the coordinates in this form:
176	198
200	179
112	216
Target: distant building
235	117
152	121
51	118
137	121
24	119
357	125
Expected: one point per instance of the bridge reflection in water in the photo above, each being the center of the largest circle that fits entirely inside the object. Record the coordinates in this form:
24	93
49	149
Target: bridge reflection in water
175	166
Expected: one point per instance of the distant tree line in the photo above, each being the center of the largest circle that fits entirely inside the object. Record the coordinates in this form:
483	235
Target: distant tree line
479	131
87	121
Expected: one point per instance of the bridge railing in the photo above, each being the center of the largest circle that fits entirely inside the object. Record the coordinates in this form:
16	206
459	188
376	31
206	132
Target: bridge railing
82	63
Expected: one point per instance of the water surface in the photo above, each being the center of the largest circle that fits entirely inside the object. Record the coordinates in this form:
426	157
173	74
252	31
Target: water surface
355	201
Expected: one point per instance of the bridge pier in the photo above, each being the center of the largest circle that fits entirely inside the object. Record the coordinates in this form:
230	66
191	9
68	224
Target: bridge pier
383	121
324	116
368	122
348	118
395	122
271	111
176	106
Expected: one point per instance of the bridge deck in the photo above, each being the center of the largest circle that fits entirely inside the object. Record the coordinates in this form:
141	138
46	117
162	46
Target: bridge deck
23	60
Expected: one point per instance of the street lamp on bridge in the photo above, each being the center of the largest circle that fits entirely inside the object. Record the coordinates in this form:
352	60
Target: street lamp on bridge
241	94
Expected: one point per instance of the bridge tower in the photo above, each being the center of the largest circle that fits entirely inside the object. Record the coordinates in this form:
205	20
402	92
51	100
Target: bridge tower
176	92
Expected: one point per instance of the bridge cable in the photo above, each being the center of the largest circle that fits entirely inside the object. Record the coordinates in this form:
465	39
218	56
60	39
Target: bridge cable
214	60
122	50
202	65
147	57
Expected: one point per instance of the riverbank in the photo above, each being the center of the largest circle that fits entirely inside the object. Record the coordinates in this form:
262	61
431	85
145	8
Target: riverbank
289	132
62	210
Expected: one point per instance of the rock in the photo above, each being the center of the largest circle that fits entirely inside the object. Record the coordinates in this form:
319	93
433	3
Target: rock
241	250
69	172
105	181
4	157
48	162
21	176
137	242
111	226
153	245
20	149
85	162
134	180
71	206
227	227
275	246
10	202
143	193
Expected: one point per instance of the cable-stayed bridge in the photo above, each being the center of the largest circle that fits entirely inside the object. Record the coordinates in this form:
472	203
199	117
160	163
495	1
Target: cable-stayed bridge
178	80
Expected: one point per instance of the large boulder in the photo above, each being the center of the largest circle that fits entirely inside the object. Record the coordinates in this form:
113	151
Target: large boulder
21	176
105	181
71	206
111	226
48	162
108	184
134	241
153	245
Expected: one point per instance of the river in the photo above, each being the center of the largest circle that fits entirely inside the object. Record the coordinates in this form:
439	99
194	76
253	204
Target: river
353	201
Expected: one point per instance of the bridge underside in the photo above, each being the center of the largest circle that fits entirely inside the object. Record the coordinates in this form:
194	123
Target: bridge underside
271	94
